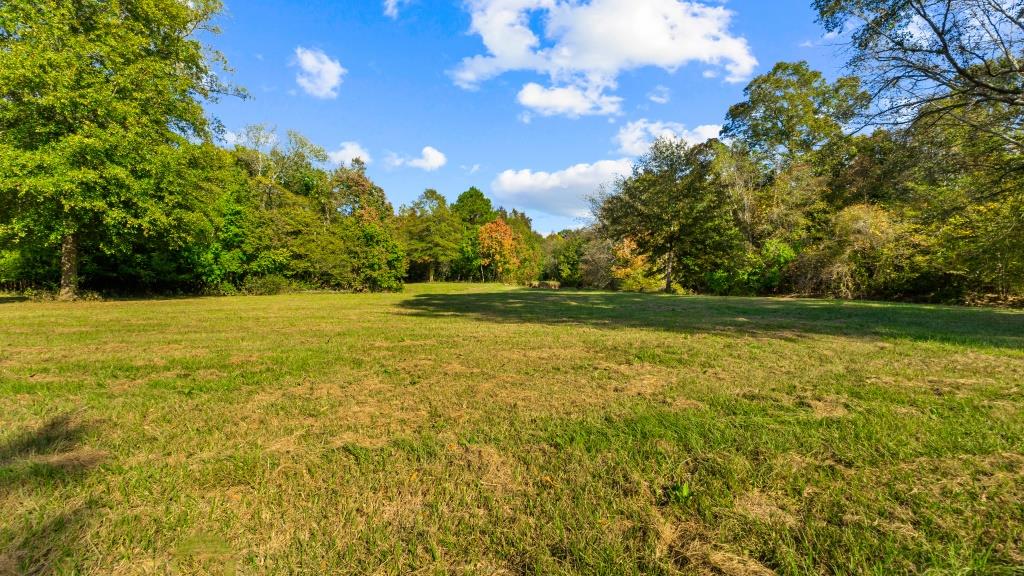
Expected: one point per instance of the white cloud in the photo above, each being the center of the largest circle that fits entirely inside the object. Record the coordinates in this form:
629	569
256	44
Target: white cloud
258	137
636	137
583	46
348	152
471	169
562	193
430	159
232	138
571	101
391	7
660	95
319	74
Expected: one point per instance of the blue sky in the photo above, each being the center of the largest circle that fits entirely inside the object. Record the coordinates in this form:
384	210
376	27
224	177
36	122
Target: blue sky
533	101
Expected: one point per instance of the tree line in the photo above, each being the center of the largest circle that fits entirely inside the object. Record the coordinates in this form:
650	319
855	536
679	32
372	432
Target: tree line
790	201
902	180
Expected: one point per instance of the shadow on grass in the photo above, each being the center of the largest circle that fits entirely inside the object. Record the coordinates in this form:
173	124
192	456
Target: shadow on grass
773	317
12	299
36	464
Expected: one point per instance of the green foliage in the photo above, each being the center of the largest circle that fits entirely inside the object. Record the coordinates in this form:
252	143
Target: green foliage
433	236
931	211
97	102
10	267
262	286
565	258
108	176
528	247
380	262
632	271
677	210
793	110
474	209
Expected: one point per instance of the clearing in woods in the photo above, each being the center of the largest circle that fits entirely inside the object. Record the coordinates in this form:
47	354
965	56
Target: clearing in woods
488	430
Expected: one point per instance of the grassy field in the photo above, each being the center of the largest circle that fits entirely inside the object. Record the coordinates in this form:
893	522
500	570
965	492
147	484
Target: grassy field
486	430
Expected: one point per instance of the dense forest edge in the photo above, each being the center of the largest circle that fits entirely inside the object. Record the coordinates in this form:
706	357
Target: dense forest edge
901	181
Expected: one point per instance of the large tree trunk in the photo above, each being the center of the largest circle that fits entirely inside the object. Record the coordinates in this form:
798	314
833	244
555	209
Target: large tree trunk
69	267
431	272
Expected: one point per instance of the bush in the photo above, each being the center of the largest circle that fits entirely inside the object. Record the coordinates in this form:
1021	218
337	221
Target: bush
267	285
10	267
380	261
221	289
632	272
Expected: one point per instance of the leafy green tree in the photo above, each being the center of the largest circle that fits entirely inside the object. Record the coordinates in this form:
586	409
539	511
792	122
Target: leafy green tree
353	193
92	95
676	208
300	173
567	258
432	233
256	152
793	110
473	208
380	260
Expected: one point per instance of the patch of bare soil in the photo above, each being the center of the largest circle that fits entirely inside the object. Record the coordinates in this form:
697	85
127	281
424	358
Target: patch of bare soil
765	508
691	548
829	407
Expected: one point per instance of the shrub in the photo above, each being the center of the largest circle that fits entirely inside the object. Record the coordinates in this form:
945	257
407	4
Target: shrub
267	285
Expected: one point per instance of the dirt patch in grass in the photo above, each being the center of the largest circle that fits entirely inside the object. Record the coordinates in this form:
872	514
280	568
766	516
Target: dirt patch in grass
765	508
825	407
734	565
8	565
692	549
494	469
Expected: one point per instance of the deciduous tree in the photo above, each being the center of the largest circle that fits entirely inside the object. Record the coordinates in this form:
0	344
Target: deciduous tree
92	92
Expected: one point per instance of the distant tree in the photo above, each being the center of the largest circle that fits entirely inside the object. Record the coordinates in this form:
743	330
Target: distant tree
474	208
301	174
354	194
676	208
499	248
793	110
529	250
254	152
597	260
92	94
380	262
880	168
432	233
568	256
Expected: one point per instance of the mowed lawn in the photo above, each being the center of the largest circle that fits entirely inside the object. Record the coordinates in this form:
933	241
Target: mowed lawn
489	430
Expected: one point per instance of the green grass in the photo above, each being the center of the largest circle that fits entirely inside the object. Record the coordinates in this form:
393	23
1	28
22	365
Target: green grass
485	430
